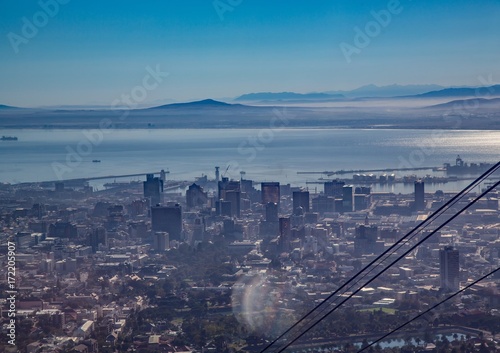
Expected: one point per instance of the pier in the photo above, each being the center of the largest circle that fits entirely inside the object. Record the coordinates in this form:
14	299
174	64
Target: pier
80	181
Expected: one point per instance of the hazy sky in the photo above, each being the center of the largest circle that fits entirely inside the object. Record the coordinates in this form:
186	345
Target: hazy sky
92	52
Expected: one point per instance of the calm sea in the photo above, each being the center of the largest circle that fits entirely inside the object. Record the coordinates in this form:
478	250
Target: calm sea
262	154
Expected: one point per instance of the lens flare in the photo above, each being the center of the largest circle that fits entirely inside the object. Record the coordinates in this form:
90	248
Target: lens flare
258	305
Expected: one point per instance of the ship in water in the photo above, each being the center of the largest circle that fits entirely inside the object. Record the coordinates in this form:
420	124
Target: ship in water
462	167
8	138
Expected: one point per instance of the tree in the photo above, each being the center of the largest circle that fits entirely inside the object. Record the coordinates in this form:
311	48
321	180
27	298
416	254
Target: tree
418	340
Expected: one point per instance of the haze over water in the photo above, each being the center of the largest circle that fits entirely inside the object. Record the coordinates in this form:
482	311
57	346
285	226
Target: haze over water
279	156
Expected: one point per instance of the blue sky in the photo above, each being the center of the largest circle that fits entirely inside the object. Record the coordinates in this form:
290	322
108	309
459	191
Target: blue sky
92	52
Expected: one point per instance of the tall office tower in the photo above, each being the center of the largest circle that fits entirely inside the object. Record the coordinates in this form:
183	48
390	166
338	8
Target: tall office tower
167	219
153	188
160	241
449	269
217	174
233	185
270	192
234	196
365	241
249	194
195	196
221	186
419	195
334	188
270	226
285	190
271	212
298	218
198	230
347	198
361	202
223	208
246	186
323	203
285	234
96	237
230	191
301	199
362	198
226	185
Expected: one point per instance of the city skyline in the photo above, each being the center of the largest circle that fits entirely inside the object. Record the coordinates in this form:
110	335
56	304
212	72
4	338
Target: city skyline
250	176
76	55
192	260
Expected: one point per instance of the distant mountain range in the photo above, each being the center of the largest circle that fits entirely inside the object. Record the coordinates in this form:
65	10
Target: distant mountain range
462	92
373	91
478	113
469	104
394	90
368	92
287	96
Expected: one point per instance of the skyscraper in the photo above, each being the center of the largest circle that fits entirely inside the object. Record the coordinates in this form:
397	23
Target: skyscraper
301	199
195	196
323	203
347	198
270	192
96	237
449	269
226	185
334	188
366	242
153	187
361	202
285	234
234	196
419	195
223	208
198	230
271	212
230	191
270	226
167	219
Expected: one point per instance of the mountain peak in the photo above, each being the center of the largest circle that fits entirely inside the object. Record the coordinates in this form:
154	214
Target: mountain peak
208	102
205	103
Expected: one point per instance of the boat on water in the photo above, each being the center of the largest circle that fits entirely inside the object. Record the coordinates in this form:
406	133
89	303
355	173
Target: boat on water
8	138
96	161
462	167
